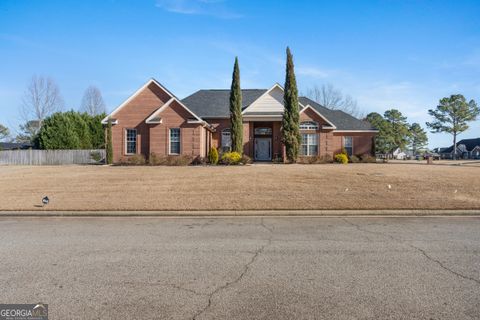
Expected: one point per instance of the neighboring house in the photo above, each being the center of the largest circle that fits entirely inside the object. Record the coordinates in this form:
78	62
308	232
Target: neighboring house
466	149
400	154
153	120
14	146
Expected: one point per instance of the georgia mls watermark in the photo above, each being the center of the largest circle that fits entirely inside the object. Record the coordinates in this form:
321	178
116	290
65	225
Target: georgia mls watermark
37	311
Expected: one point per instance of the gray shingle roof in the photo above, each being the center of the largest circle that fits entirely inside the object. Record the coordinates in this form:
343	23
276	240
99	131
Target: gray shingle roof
14	145
469	144
214	104
341	120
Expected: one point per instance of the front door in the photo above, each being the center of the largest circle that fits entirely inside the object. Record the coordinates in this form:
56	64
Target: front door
263	147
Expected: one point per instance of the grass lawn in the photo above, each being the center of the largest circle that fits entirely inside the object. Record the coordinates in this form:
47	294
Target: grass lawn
331	186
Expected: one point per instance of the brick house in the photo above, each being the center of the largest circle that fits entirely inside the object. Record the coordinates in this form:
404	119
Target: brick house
153	120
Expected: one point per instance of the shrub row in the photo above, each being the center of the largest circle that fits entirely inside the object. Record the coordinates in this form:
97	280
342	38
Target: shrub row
315	159
228	158
339	158
235	158
364	158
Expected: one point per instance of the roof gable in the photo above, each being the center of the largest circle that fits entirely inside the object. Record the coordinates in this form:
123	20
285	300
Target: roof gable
309	107
156	115
134	95
269	102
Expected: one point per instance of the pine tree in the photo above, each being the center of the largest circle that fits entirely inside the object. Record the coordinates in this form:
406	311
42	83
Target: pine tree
291	117
236	110
384	142
398	126
452	116
417	138
109	144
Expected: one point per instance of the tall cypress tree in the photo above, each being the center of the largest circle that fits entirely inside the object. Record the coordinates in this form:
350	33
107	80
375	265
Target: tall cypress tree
291	117
109	143
236	110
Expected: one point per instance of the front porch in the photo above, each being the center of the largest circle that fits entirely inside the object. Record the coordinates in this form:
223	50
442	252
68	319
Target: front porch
266	142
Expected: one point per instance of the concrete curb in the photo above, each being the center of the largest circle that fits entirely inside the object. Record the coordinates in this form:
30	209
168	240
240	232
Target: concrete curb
240	213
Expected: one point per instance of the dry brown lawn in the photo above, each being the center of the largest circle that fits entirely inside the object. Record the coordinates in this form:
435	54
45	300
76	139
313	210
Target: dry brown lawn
353	186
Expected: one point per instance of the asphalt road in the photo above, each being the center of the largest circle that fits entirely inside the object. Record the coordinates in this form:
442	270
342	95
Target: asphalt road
243	268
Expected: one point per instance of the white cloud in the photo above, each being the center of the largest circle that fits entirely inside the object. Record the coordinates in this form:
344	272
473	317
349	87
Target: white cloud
215	8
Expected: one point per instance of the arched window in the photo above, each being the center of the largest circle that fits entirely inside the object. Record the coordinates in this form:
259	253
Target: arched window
226	140
308	125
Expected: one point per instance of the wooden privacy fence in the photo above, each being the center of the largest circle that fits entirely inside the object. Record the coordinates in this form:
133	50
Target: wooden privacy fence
51	157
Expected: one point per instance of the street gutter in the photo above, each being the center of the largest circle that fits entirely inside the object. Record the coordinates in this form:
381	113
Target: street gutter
239	213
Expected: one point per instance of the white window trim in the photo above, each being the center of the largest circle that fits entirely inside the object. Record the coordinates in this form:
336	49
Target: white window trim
331	125
308	145
345	146
170	142
310	122
221	138
125	134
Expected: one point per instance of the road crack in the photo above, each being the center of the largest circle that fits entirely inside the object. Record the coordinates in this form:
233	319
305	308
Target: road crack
358	228
270	229
423	252
443	266
172	285
245	270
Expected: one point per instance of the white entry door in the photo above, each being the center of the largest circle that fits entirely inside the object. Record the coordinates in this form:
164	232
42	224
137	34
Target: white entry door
263	147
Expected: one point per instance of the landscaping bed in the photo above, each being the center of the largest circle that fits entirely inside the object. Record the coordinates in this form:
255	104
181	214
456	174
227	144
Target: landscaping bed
250	187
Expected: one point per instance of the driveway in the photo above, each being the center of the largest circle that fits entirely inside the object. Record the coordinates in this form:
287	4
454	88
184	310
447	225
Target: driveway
243	268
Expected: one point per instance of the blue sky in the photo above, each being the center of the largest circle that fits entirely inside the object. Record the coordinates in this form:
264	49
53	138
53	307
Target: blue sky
387	54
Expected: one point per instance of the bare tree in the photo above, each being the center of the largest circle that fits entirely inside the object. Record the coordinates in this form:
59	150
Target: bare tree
41	99
92	102
28	131
332	98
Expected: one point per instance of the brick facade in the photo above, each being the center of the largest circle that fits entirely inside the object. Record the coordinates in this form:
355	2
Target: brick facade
197	137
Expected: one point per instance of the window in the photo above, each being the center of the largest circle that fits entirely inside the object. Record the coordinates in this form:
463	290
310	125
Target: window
308	125
175	141
226	140
309	145
263	131
131	141
348	145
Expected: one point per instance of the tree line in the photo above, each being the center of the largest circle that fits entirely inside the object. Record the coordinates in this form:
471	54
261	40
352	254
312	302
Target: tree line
452	115
395	132
47	126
